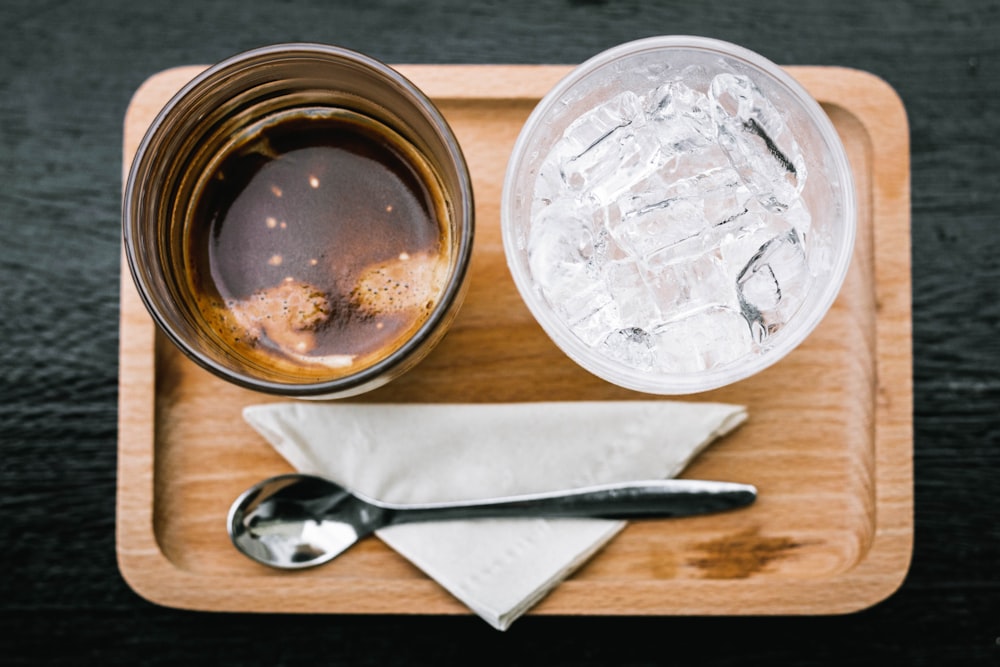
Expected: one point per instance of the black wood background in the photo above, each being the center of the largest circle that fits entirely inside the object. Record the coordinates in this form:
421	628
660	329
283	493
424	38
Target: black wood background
67	72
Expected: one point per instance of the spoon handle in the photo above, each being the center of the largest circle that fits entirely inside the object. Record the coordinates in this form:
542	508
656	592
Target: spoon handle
632	500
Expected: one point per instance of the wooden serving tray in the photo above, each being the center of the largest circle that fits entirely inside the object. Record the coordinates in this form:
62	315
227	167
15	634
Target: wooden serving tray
829	440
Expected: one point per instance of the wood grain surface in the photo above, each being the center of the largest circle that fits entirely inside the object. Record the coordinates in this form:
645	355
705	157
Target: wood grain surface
67	75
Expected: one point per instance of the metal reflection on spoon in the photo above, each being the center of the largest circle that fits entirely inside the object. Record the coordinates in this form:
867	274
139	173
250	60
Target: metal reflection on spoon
296	521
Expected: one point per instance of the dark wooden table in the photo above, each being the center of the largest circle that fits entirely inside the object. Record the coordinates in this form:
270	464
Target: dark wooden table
67	72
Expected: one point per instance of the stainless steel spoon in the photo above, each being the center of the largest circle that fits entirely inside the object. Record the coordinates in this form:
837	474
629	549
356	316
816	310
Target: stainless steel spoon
296	521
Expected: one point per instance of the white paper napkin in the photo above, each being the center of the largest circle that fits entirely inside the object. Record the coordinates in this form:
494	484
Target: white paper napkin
442	452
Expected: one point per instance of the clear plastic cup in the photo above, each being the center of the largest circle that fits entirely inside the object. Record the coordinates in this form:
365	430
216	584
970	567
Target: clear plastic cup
678	214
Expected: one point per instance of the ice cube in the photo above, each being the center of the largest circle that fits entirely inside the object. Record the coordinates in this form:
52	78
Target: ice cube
626	282
799	218
757	141
595	144
691	284
724	196
774	283
704	340
632	346
666	215
617	170
646	230
591	313
683	114
622	110
745	239
561	235
677	131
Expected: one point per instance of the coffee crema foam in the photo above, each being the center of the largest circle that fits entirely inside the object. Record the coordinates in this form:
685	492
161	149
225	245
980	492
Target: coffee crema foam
318	245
